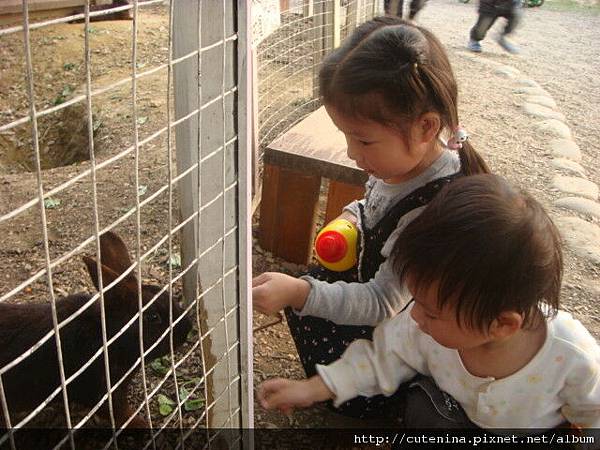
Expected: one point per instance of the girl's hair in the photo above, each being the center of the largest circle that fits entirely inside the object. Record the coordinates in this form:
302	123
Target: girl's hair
491	248
392	71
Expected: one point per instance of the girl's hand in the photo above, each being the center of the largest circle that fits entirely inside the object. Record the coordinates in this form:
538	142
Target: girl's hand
285	395
273	291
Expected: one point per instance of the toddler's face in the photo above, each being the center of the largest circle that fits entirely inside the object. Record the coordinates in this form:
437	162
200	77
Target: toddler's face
379	150
441	324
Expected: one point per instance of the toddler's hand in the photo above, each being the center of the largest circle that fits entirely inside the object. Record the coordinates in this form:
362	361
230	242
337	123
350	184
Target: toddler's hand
273	291
285	395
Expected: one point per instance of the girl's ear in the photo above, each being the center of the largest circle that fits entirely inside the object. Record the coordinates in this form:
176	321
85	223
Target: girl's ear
506	324
428	126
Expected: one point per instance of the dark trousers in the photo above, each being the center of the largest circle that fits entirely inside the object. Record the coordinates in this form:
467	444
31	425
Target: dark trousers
425	405
486	20
415	7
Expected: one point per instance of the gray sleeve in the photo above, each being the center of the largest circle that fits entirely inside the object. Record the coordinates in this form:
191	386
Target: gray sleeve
357	303
353	209
361	303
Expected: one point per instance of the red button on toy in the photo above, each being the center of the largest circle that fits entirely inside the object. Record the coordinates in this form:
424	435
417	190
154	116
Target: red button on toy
331	246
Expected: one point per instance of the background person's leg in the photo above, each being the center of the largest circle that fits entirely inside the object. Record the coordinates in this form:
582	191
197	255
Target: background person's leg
513	18
481	27
479	30
415	7
512	21
393	7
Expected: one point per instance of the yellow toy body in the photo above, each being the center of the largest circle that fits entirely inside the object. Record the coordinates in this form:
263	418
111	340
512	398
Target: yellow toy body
335	245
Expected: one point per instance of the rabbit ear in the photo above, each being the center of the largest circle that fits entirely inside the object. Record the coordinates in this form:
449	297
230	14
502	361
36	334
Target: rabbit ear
124	289
114	252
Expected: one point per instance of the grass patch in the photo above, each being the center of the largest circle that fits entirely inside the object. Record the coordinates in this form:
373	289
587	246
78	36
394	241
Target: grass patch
586	6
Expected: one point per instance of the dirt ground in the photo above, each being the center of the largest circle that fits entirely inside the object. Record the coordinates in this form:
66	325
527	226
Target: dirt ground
561	51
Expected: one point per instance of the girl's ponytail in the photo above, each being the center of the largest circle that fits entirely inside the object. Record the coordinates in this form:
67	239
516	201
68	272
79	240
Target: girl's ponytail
471	162
439	78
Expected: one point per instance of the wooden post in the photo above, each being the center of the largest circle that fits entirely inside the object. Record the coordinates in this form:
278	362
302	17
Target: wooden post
318	42
340	194
16	6
328	26
352	14
200	135
287	213
375	8
309	8
336	22
253	100
247	139
185	79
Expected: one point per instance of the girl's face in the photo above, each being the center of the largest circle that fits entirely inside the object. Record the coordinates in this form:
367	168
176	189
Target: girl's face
383	151
441	324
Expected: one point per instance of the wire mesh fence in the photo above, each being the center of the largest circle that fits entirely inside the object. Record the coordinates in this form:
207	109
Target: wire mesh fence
123	184
288	56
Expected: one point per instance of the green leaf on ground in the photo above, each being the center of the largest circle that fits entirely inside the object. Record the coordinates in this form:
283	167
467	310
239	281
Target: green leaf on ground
51	203
191	336
165	410
158	366
192	403
175	261
164	400
165	405
62	97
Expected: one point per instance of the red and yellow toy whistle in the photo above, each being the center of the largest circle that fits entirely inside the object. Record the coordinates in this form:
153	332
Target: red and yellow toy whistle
335	245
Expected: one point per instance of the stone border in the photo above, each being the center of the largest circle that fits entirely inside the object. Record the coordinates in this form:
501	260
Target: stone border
579	194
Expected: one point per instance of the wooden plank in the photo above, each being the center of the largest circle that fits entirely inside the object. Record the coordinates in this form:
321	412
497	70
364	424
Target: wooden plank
337	23
315	146
309	8
339	195
359	10
191	138
268	207
16	6
16	19
253	61
318	20
186	40
299	199
327	29
287	213
247	139
352	14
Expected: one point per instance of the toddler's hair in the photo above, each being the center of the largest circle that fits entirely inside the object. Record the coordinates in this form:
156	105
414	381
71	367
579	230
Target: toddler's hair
391	71
491	247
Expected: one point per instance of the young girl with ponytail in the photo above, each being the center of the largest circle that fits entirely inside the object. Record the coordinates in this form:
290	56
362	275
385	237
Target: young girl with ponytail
391	90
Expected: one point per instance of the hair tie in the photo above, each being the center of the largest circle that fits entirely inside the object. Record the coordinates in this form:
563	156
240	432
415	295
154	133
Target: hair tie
459	136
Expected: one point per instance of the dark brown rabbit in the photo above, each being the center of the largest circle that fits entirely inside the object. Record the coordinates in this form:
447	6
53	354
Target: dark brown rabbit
21	325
